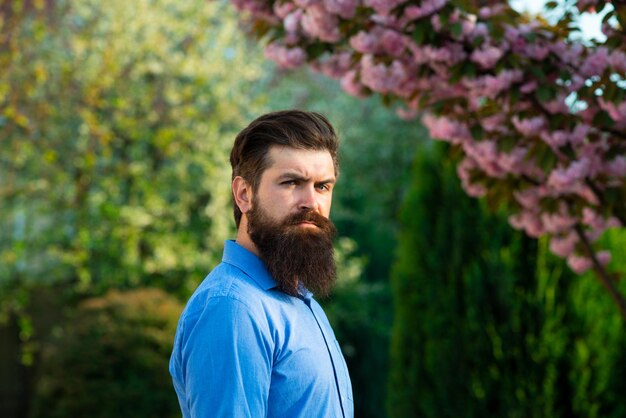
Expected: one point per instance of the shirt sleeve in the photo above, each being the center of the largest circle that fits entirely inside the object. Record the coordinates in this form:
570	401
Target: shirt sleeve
227	361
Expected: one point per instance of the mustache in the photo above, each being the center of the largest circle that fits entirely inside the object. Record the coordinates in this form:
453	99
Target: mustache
307	216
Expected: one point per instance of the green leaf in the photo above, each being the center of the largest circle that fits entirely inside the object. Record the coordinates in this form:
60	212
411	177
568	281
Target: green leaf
469	69
316	50
419	33
551	5
602	118
477	132
545	94
456	29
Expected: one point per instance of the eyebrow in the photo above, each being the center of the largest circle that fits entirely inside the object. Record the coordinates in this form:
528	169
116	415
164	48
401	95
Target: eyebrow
298	177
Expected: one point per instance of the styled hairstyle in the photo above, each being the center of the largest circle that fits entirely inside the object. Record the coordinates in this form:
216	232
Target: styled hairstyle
288	128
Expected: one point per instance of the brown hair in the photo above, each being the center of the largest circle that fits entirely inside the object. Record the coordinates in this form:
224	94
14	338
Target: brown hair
287	128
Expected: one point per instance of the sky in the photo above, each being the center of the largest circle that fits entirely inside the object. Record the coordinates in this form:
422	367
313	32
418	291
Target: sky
590	23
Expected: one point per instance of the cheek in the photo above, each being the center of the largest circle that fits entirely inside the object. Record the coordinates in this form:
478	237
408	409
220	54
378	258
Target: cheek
325	204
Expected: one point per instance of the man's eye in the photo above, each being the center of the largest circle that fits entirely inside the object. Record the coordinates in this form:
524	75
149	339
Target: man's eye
289	182
323	186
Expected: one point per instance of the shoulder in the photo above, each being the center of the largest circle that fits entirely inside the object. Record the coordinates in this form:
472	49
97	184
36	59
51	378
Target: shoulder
226	285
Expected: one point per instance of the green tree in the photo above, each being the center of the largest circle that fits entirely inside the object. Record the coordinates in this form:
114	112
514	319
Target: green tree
461	290
117	118
487	323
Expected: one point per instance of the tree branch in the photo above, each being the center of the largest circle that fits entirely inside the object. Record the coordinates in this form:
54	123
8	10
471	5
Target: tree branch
602	274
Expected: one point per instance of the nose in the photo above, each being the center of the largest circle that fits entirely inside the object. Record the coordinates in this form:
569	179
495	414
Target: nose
308	198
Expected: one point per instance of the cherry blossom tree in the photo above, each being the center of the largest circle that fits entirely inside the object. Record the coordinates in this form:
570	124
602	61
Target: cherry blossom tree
537	116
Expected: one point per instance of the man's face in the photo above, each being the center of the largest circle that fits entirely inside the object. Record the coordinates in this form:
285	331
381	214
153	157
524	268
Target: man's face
288	221
296	181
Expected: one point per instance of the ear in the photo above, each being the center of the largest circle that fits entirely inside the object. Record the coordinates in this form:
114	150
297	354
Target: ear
242	192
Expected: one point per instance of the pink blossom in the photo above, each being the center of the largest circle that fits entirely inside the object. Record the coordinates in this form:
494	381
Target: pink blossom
617	112
303	4
617	61
393	42
557	105
379	77
493	123
468	26
555	139
567	53
529	87
565	178
514	161
604	257
593	219
379	40
464	171
436	22
557	222
617	167
445	128
530	197
343	8
334	66
578	264
585	192
407	113
351	86
485	154
318	23
365	42
490	86
375	51
480	31
449	54
527	221
291	22
487	56
492	10
595	63
514	37
536	51
564	246
579	134
257	7
426	8
575	83
285	57
283	9
529	127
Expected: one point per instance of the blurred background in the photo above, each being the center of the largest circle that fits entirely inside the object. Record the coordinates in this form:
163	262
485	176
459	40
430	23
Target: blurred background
116	121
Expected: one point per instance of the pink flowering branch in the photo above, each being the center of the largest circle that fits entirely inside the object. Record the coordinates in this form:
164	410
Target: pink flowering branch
539	119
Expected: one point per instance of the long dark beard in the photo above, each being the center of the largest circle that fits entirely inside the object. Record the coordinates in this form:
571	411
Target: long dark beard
296	256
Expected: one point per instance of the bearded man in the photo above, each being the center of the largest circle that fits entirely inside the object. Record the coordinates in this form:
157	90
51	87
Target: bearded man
252	341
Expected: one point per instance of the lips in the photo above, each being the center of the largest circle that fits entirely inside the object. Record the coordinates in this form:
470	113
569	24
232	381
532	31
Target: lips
308	224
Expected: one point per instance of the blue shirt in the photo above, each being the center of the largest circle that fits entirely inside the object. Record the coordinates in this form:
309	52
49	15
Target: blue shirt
243	348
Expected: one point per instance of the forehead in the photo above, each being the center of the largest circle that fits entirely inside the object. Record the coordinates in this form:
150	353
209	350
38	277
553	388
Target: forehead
309	163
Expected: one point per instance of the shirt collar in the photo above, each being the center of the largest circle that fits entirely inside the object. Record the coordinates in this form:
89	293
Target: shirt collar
250	264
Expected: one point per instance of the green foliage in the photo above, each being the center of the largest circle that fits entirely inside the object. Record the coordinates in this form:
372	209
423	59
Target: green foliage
117	121
598	347
360	314
487	323
110	359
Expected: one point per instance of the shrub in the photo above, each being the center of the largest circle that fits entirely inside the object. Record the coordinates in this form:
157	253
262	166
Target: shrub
111	359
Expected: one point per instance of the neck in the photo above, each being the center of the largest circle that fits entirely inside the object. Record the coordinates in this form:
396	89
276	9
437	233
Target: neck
244	239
